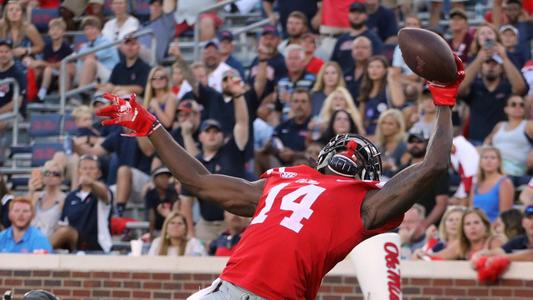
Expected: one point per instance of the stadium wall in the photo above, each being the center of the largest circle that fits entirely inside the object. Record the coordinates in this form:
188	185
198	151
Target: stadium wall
123	277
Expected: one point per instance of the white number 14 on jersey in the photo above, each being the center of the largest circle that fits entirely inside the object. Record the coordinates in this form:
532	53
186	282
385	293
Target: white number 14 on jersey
300	210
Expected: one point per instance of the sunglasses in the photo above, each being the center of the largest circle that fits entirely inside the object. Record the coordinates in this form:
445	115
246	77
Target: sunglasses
515	104
89	157
48	173
159	78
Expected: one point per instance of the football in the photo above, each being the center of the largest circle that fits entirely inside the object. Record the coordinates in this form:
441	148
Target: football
428	55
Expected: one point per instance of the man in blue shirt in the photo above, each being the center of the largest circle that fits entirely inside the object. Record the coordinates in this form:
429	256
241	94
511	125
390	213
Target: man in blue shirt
227	46
342	52
20	237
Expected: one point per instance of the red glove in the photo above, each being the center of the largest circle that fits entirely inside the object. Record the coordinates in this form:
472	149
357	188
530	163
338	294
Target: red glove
490	269
129	114
446	95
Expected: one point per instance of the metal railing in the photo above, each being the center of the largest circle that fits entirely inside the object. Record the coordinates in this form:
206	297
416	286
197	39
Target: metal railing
63	93
197	24
16	108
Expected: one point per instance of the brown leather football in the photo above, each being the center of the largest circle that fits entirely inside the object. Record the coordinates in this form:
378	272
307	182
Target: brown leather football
428	55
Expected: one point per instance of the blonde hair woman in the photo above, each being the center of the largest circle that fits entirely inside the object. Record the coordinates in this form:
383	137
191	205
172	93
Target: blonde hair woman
474	236
340	98
158	97
49	202
493	191
174	241
484	32
329	78
24	36
390	140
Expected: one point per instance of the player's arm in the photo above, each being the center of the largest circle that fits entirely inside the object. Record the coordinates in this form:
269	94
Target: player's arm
401	192
233	194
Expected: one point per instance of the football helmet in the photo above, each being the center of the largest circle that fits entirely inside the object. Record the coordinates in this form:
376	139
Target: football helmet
351	155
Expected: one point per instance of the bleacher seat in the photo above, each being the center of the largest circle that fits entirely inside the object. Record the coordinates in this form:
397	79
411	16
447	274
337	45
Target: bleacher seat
69	124
43	151
41	16
45	125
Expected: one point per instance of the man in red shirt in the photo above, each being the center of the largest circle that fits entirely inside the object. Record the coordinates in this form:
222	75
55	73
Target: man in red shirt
305	220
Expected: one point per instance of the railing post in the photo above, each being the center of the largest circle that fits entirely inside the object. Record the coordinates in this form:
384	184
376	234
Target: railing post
16	109
62	92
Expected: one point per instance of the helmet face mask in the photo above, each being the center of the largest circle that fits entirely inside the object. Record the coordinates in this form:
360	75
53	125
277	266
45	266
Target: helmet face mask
351	155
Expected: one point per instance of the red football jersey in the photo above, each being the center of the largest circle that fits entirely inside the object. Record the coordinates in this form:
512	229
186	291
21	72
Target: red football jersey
305	223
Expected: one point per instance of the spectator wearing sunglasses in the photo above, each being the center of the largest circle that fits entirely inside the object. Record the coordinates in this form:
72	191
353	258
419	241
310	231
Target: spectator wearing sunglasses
513	138
45	192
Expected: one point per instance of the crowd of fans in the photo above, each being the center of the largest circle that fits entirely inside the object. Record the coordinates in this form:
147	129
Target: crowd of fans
333	68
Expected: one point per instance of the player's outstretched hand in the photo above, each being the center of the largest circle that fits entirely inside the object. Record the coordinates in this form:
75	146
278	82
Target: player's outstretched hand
447	95
129	114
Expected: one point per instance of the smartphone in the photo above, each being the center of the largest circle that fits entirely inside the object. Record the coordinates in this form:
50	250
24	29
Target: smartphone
37	173
489	43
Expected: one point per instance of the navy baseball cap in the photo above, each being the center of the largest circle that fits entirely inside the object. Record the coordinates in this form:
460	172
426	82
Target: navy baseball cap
528	211
358	7
418	135
213	42
225	35
269	29
210	123
4	42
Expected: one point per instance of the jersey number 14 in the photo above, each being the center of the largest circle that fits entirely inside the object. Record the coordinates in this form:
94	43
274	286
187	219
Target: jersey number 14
300	210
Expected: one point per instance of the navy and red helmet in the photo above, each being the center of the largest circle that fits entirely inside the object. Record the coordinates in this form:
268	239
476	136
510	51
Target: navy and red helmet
351	155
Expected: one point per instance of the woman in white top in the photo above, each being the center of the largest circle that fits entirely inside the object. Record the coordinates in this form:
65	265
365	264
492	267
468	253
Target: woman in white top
513	138
49	202
174	241
122	23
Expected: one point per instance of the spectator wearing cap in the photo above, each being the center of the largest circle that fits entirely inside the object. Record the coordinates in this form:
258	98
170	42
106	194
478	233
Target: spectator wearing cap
461	38
160	199
285	8
297	77
226	49
8	69
220	155
212	59
97	65
85	219
121	24
514	15
313	64
342	52
509	37
382	21
129	75
489	80
434	202
268	44
187	130
296	27
26	39
55	49
21	237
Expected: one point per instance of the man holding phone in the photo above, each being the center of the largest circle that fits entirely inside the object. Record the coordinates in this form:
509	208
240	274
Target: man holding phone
487	94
